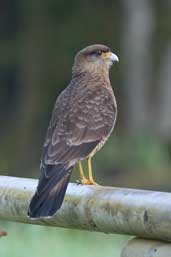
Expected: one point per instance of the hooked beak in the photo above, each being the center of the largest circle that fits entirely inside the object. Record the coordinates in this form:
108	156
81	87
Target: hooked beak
114	57
110	56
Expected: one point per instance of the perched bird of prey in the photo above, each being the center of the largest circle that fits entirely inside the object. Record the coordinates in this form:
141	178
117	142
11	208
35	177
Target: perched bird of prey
83	118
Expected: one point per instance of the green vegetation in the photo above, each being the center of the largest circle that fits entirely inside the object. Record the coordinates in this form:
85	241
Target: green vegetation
38	42
29	240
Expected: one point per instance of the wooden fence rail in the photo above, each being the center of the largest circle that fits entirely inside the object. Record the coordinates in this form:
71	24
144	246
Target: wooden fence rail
141	213
146	248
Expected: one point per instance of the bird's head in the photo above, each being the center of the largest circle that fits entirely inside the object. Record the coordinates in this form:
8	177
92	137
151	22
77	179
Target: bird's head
94	58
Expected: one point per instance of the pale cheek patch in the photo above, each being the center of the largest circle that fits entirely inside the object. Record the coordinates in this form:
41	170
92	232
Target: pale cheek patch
109	63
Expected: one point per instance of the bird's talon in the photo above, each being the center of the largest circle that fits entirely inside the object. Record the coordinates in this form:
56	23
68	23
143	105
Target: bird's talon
88	182
85	181
93	183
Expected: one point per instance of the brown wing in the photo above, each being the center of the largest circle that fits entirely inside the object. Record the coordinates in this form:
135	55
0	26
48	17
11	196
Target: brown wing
80	120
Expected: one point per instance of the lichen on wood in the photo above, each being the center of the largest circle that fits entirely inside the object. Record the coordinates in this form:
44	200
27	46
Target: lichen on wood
146	248
96	208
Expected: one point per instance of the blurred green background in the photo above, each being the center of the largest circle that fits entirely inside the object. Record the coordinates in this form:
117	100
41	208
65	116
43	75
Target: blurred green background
38	41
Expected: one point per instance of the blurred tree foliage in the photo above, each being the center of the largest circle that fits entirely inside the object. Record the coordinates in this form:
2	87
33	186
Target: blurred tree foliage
38	40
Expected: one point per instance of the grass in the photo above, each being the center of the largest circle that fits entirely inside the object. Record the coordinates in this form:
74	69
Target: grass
37	241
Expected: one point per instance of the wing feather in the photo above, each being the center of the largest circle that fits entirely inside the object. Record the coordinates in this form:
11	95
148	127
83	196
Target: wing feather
80	120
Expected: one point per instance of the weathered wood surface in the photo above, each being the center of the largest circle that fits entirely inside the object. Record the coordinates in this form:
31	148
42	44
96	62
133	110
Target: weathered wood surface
96	208
146	248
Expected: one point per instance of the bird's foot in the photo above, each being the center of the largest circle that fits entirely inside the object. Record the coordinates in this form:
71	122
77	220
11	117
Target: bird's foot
92	182
88	182
83	182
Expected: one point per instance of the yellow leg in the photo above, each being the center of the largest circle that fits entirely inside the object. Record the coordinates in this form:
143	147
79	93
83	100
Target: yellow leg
84	181
90	175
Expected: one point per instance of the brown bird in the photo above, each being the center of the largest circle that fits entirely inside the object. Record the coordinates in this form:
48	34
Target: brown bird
82	120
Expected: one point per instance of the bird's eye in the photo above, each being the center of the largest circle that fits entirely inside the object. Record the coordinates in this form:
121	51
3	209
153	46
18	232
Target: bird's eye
98	52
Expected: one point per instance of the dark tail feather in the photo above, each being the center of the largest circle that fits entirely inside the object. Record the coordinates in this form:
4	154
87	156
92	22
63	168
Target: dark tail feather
50	192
